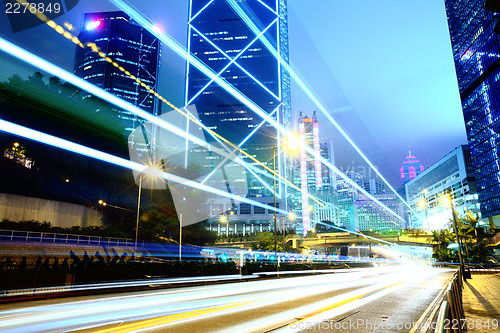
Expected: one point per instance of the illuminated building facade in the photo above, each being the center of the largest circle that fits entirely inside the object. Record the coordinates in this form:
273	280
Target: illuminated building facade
474	36
18	154
239	41
358	212
346	197
313	178
411	168
132	47
370	216
451	174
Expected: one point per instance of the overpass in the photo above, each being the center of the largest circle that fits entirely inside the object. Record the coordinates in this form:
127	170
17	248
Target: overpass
336	239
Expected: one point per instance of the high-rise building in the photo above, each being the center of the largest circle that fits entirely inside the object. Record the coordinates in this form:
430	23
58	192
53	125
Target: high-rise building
242	42
313	178
411	168
475	42
356	211
347	196
131	46
452	174
374	185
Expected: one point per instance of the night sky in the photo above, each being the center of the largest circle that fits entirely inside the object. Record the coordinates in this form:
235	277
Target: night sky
384	69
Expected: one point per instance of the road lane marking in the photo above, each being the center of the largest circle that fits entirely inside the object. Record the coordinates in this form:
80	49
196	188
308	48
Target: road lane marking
170	318
422	317
342	302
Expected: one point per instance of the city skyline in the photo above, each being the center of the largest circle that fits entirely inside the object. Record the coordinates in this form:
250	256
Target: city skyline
174	22
193	165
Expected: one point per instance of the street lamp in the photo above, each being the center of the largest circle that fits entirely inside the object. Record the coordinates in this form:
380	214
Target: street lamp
291	217
223	219
138	211
424	191
448	201
274	196
103	203
292	143
310	209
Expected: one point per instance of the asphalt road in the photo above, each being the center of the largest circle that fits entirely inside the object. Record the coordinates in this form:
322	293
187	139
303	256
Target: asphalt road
380	299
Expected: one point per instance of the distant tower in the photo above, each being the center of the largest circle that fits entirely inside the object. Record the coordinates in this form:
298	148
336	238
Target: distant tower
132	47
411	168
314	179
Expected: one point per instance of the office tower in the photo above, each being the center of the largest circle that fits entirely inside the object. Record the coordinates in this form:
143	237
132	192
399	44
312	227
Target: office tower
356	211
133	48
451	174
474	38
347	196
312	177
410	169
239	42
374	186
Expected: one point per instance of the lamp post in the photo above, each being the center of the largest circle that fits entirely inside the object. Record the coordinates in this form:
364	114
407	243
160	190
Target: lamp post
138	211
292	144
180	236
310	209
423	205
105	204
291	217
447	199
424	191
274	196
223	219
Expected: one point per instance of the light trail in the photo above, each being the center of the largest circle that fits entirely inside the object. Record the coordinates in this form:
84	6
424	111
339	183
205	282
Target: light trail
309	93
102	156
187	114
159	310
210	73
46	66
181	51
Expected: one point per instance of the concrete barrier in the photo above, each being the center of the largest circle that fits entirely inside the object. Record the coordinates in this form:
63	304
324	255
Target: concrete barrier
59	214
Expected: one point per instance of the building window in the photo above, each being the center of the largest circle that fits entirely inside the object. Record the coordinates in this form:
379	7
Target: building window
270	211
245	208
259	210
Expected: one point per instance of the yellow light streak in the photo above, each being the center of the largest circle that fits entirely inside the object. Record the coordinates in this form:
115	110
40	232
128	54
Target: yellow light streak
94	48
170	318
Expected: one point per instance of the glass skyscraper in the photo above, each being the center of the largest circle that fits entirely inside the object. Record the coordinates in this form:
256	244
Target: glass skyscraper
133	48
313	178
476	55
241	42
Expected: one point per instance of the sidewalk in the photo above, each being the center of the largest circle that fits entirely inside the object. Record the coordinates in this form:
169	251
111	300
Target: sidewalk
481	300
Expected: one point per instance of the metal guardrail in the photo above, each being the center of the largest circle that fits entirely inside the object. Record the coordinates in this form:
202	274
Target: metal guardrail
451	315
48	237
480	271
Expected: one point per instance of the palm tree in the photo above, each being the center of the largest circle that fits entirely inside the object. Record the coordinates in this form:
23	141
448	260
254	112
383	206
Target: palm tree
472	234
441	239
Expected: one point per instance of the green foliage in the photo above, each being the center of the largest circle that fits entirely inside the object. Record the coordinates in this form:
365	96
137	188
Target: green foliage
471	236
441	239
76	230
161	221
265	242
61	105
196	234
311	234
